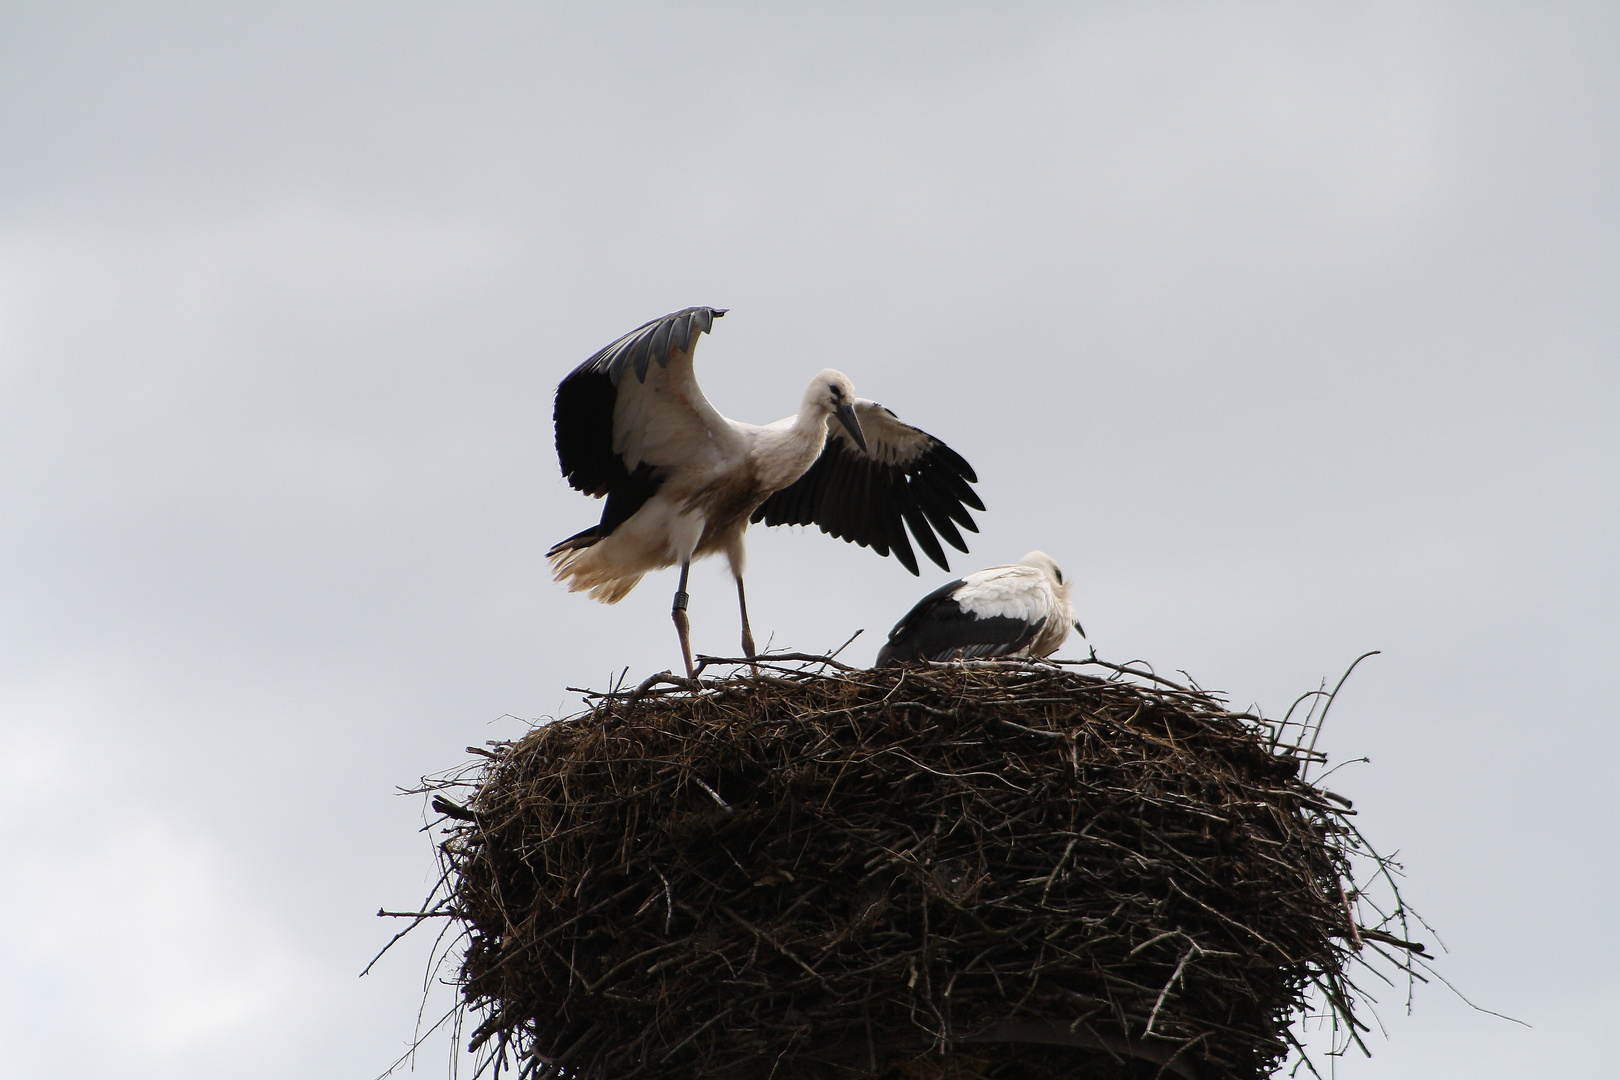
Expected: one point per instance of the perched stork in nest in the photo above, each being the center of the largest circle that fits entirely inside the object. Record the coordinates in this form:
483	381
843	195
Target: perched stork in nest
683	482
1017	610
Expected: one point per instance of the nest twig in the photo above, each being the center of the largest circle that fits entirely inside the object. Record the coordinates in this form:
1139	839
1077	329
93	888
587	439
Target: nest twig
993	869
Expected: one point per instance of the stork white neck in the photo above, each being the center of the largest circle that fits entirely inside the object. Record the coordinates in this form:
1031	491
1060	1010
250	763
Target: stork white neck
786	450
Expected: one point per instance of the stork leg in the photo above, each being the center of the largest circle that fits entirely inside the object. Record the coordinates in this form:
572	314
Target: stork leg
682	627
738	557
748	635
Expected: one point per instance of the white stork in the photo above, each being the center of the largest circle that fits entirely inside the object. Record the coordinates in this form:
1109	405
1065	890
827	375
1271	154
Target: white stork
683	482
1017	610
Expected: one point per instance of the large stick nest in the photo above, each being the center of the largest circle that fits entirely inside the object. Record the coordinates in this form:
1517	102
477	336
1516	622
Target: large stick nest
1001	870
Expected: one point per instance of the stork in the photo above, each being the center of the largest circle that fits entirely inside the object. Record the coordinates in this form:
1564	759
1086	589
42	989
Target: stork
1017	610
683	482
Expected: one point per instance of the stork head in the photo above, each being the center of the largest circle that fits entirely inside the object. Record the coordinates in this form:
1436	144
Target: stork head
1041	561
832	394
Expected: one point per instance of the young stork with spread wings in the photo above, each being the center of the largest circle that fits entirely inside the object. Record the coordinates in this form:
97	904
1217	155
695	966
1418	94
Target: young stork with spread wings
683	482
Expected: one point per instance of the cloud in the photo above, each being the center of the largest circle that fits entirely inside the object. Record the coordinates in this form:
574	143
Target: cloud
126	922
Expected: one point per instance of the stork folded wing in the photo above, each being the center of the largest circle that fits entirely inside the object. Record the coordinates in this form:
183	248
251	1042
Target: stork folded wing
906	477
940	627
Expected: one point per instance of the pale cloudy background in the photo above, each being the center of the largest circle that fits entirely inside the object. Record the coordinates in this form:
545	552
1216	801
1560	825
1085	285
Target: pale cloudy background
1289	329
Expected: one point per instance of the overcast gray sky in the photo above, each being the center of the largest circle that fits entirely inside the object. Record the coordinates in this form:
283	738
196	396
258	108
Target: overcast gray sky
1289	329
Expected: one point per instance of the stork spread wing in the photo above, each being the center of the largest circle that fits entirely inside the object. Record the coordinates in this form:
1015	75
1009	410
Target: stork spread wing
905	475
584	410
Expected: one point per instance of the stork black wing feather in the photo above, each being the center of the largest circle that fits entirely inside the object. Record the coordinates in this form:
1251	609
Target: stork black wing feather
948	493
869	523
877	523
872	500
939	516
916	515
939	628
919	528
899	542
584	420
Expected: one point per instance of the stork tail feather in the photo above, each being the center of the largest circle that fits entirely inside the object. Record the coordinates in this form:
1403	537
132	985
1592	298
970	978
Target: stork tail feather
573	564
577	542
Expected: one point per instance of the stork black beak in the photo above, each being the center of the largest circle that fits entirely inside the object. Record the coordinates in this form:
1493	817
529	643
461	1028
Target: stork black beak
846	416
1079	629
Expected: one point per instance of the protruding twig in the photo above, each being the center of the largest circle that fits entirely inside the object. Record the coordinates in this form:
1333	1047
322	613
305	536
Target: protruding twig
846	644
1339	686
442	805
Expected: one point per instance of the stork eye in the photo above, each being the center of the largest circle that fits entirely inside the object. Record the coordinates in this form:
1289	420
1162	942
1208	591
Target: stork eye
1059	574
